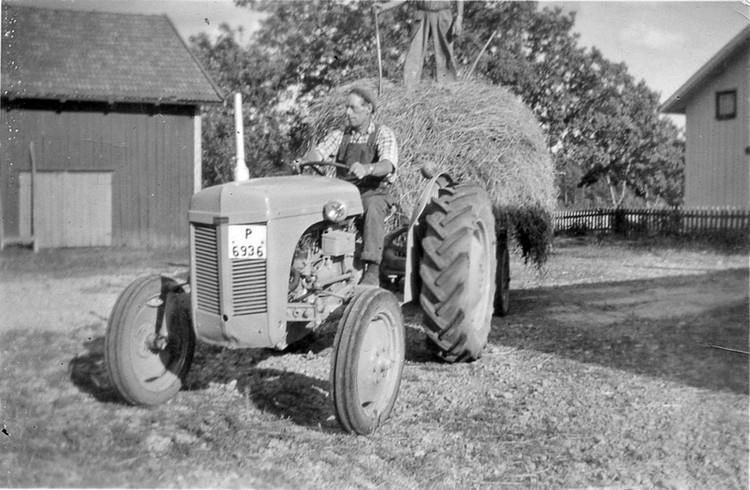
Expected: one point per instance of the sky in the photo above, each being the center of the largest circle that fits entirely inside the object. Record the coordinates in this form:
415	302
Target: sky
663	43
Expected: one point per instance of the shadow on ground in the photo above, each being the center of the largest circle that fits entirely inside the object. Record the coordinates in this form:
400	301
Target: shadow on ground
300	398
677	328
89	374
287	394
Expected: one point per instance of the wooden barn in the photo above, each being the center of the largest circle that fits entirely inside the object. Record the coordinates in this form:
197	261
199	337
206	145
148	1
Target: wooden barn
716	105
100	141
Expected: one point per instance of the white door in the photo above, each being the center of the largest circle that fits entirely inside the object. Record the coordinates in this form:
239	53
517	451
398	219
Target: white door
70	209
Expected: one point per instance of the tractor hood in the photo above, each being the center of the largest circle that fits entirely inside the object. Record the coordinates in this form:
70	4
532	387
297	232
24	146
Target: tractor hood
264	199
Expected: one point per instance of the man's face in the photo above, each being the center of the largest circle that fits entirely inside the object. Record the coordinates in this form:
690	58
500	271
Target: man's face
357	111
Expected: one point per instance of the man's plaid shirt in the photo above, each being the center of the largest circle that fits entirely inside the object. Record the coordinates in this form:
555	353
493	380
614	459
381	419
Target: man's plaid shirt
385	142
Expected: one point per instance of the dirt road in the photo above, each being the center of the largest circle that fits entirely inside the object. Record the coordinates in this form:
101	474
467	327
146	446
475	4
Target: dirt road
609	371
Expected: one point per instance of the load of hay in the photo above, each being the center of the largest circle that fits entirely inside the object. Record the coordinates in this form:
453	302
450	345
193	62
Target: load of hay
477	133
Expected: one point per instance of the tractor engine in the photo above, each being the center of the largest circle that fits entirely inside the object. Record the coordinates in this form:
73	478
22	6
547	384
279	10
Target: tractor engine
323	263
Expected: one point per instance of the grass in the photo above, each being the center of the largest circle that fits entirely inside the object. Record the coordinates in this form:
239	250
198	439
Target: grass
599	377
727	242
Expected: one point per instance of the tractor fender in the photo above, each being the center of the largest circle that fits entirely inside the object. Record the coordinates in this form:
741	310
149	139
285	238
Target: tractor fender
413	252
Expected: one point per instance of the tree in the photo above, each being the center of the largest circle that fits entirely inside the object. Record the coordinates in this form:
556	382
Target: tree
330	42
602	127
250	71
619	137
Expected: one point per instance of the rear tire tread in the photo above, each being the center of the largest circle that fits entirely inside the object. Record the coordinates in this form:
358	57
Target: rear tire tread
451	219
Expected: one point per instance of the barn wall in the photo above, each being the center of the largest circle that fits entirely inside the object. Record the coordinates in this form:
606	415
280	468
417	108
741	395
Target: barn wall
149	154
716	167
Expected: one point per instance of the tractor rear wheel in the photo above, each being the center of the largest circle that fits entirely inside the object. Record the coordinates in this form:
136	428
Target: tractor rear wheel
367	360
457	270
146	364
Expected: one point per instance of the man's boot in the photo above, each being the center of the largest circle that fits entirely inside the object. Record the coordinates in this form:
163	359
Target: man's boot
371	277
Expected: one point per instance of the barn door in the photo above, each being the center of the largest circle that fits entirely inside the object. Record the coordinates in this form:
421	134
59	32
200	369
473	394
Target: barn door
70	209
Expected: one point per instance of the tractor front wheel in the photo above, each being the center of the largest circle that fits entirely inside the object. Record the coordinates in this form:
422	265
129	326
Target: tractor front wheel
147	361
457	269
367	360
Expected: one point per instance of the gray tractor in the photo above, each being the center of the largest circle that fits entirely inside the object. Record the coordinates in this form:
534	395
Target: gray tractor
271	259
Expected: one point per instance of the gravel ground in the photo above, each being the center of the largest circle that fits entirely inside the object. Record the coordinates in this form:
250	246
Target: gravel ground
611	370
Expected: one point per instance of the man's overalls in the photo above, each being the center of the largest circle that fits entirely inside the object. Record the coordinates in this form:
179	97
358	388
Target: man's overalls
374	192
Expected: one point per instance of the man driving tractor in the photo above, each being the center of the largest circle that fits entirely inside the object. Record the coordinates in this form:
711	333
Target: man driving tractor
370	153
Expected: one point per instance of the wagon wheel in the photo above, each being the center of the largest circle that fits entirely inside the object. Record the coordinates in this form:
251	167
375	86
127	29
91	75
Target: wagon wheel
502	277
367	360
146	363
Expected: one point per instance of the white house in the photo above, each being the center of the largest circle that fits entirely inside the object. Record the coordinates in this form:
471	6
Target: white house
716	105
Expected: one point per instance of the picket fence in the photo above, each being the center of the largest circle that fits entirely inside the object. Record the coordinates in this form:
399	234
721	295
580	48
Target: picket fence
676	221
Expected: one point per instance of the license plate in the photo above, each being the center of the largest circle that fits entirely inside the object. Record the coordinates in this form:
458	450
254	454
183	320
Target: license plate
247	242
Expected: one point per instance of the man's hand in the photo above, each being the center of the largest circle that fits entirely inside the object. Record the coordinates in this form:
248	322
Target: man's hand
458	27
360	171
296	165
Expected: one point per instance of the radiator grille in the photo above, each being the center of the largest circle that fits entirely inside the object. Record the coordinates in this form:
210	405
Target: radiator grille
206	268
249	286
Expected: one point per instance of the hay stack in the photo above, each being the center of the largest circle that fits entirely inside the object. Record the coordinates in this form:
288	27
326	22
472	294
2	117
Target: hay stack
477	133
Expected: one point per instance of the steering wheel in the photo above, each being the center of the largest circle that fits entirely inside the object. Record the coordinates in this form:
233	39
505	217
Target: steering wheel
328	163
321	163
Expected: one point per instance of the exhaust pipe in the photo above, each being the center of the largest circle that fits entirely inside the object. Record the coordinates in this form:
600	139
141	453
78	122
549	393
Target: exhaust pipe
241	173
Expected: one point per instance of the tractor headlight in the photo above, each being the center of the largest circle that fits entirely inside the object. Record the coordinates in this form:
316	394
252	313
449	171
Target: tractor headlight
334	211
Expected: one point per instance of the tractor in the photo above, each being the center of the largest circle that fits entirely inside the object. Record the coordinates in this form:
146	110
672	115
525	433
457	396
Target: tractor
272	259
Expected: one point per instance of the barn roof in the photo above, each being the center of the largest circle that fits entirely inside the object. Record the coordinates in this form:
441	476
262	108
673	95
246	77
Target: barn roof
677	103
76	55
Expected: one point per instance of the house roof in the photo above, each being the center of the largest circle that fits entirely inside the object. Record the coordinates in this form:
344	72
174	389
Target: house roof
677	103
76	55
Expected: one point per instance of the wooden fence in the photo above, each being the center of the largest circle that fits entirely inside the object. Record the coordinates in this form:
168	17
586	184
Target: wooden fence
676	221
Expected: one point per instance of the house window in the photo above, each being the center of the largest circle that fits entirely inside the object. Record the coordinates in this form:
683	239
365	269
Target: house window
726	104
